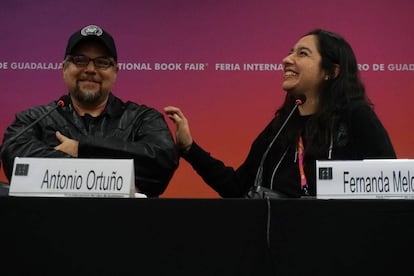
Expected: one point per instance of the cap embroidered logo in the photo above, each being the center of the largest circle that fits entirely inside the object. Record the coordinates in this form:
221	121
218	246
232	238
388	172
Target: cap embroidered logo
91	30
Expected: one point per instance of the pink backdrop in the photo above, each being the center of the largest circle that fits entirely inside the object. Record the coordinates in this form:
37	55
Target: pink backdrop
226	108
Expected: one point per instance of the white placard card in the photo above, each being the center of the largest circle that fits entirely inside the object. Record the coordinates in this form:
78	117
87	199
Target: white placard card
374	178
72	177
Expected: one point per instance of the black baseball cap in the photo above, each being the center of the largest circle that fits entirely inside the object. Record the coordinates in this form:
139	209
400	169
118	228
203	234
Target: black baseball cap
92	32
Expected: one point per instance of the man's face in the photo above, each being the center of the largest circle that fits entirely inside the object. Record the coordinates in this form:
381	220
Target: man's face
88	84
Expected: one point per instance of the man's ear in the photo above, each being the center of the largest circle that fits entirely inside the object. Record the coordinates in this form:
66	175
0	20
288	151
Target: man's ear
64	65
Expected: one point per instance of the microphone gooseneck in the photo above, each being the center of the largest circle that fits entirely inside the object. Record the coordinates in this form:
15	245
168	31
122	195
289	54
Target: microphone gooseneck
299	100
64	100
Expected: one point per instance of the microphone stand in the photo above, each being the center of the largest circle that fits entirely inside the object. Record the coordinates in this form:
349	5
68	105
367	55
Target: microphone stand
257	191
60	103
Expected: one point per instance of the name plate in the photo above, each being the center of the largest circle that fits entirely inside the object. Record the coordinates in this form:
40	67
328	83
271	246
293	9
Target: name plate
72	177
365	179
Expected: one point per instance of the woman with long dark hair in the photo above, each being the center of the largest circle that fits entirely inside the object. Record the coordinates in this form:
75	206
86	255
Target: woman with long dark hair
326	115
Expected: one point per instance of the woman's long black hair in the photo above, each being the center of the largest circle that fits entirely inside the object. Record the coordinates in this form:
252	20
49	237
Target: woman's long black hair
336	93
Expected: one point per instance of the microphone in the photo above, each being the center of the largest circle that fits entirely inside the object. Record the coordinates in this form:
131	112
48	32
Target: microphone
64	100
257	191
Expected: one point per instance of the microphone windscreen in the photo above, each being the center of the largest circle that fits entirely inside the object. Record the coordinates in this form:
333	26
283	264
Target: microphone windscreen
300	99
63	101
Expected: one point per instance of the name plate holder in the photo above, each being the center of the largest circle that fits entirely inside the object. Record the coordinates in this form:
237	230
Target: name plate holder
365	179
72	177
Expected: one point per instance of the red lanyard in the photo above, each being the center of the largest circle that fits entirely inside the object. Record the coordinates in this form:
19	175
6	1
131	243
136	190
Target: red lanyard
303	182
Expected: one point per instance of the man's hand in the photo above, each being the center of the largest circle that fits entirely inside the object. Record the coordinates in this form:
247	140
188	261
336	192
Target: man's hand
67	145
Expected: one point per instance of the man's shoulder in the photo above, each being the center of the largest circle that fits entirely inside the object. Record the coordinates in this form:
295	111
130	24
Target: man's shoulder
35	110
135	111
130	107
139	108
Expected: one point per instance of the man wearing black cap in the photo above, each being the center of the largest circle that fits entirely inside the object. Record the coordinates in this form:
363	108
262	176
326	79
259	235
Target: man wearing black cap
93	123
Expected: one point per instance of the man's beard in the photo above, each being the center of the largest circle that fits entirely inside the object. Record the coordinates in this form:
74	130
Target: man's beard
88	98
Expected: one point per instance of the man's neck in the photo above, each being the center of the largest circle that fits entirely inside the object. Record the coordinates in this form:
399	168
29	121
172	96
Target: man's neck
94	111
